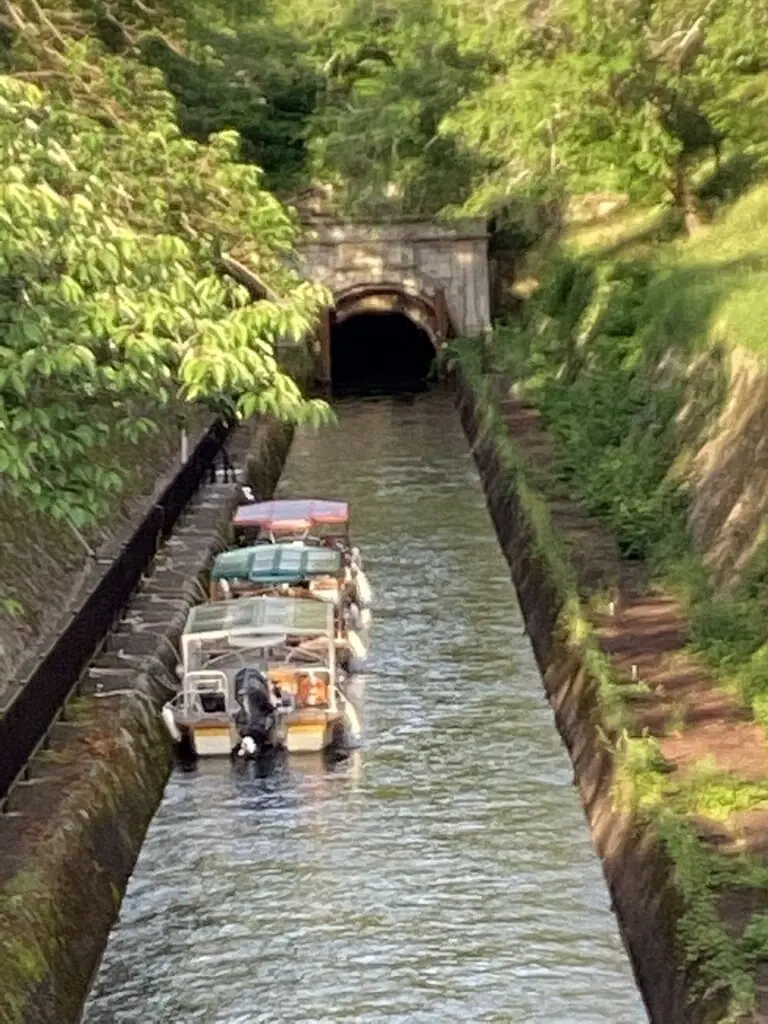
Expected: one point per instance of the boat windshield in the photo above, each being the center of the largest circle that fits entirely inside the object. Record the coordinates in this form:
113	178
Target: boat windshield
228	654
252	616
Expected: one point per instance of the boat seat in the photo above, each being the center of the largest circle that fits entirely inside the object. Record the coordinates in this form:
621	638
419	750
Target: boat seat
285	678
213	703
313	690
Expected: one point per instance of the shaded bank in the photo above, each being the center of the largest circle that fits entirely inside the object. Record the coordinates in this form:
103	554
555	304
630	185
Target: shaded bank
75	829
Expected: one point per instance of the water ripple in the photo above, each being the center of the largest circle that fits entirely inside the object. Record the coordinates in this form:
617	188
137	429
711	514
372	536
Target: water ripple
445	873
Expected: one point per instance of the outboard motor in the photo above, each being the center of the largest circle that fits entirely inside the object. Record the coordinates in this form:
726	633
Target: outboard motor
256	717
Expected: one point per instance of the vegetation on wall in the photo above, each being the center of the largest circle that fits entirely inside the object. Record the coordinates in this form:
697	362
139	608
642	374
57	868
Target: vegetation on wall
114	228
625	349
720	962
140	143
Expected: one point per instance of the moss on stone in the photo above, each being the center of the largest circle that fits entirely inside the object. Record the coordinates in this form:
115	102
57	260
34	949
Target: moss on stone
78	847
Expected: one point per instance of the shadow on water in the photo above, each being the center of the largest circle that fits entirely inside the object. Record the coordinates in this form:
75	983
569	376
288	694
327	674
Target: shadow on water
445	871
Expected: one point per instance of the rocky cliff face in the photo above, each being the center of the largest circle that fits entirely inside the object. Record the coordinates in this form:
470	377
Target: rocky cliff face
729	470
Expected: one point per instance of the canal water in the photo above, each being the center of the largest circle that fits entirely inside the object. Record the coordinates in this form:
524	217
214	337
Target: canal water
445	873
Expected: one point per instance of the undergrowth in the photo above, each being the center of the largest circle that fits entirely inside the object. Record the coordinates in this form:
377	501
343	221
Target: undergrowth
722	965
623	350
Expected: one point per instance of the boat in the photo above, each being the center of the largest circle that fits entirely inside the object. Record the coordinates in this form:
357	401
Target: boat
310	521
258	674
294	569
313	519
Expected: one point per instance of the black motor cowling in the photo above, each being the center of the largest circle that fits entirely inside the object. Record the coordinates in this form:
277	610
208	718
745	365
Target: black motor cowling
256	718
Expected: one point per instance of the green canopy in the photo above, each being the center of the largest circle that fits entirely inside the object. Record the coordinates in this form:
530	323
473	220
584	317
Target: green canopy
276	563
261	614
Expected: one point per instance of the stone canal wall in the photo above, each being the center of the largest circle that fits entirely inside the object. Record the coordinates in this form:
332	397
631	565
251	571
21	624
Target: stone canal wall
637	869
76	827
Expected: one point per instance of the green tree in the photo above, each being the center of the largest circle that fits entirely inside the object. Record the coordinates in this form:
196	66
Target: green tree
632	96
113	303
392	72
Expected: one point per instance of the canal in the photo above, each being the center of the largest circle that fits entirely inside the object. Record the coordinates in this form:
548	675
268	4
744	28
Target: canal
444	873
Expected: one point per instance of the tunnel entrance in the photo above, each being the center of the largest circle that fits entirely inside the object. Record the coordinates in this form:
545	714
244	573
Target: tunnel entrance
377	353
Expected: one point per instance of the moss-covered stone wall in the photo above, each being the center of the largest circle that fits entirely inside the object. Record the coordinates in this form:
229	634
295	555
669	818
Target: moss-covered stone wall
74	831
638	871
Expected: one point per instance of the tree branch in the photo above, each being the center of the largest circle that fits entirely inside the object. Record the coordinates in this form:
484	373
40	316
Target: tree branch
45	20
245	276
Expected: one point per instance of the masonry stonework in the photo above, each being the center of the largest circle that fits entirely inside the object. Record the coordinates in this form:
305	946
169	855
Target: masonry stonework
440	266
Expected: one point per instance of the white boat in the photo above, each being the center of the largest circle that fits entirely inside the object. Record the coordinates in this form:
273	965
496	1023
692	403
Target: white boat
259	673
295	568
309	521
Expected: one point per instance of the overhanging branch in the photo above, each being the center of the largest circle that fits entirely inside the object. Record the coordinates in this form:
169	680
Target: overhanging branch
258	288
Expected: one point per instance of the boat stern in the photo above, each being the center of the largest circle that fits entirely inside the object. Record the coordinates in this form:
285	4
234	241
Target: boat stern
213	740
311	733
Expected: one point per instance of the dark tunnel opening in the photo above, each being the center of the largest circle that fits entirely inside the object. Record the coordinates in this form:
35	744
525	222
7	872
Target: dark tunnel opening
379	353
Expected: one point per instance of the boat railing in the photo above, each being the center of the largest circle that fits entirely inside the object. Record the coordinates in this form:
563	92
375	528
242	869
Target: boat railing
204	693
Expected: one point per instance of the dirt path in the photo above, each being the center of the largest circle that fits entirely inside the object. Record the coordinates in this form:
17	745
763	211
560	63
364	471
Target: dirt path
646	636
689	713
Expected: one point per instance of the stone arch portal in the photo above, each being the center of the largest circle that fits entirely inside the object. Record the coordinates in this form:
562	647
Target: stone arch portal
384	330
428	275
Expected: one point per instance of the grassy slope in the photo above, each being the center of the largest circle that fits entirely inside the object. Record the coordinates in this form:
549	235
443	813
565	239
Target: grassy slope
649	362
634	351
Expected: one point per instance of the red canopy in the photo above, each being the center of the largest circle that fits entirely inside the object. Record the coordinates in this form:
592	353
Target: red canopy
302	514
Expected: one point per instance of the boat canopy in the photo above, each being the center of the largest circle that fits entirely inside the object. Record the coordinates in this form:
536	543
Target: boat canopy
277	563
301	514
267	615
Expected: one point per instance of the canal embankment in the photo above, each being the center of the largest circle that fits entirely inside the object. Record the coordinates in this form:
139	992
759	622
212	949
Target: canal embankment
445	871
616	668
661	750
74	828
47	567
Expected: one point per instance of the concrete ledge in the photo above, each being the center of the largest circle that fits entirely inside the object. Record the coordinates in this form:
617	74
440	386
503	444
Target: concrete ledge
74	831
90	571
638	870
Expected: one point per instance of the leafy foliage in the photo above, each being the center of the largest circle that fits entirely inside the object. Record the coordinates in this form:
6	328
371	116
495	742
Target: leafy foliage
113	306
465	107
458	105
131	143
228	68
377	134
629	96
